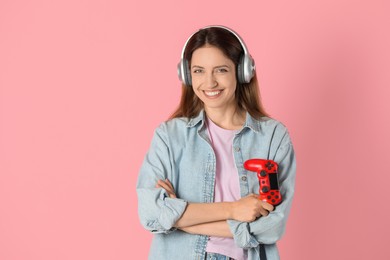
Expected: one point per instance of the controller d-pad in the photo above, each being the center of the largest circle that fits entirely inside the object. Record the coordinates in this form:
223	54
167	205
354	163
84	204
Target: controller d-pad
269	165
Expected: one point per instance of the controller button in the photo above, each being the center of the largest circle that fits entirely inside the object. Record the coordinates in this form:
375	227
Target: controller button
269	197
263	173
276	197
273	201
272	193
265	189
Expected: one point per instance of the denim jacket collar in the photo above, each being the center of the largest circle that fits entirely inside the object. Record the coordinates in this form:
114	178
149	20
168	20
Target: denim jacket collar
250	122
195	120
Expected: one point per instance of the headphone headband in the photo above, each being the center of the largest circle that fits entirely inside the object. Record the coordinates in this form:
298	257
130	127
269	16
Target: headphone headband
245	68
216	26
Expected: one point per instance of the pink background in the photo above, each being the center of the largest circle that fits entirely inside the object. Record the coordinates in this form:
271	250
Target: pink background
83	84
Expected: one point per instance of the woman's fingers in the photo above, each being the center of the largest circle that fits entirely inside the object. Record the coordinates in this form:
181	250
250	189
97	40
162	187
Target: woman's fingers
263	212
164	185
264	204
268	206
167	186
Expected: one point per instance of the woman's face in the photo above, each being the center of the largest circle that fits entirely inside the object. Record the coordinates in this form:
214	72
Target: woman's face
213	78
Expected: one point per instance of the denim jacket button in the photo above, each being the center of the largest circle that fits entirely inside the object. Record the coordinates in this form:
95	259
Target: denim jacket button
243	178
237	149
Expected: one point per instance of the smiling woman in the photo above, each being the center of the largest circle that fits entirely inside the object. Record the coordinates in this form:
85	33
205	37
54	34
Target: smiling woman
193	191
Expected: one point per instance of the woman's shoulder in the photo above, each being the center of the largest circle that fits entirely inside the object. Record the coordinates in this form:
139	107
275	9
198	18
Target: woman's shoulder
266	123
175	131
267	127
173	126
175	122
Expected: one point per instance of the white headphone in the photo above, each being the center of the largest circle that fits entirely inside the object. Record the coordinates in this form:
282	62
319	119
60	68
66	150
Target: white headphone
245	68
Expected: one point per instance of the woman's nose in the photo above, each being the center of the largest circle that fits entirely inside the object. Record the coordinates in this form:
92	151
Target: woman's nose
211	81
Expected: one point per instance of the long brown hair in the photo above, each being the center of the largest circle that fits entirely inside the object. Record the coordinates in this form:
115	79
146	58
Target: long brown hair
247	95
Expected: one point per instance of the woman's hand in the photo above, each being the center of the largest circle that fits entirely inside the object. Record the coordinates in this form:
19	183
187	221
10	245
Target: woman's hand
249	208
167	186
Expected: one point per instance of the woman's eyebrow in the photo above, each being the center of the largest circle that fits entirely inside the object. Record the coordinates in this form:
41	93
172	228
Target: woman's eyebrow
197	66
219	66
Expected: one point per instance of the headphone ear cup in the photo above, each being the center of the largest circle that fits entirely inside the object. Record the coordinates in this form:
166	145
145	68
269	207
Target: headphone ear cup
245	69
187	73
240	71
184	72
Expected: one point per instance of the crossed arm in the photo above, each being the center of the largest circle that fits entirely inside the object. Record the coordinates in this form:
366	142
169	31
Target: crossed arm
195	221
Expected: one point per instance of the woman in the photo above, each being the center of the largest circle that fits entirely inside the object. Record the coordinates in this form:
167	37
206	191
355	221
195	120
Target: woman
194	193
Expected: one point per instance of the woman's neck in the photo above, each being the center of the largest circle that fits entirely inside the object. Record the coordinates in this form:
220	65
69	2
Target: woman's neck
230	119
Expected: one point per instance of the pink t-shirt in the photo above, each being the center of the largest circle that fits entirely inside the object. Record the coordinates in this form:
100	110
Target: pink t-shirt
227	187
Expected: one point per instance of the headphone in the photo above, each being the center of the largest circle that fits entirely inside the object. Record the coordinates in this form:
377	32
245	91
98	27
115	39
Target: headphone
245	68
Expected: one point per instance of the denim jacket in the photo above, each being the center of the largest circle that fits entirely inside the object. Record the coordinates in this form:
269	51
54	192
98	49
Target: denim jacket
181	152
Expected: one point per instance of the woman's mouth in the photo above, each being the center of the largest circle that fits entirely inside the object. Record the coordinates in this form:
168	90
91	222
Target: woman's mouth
213	93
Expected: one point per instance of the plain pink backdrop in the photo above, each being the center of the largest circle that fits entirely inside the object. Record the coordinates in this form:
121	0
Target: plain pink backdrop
83	84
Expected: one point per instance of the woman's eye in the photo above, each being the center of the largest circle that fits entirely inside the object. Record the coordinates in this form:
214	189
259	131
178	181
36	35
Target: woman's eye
222	70
197	71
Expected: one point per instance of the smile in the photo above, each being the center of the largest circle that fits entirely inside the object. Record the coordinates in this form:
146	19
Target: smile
212	93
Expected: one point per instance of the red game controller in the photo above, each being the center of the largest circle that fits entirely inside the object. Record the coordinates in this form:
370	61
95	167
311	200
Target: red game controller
267	173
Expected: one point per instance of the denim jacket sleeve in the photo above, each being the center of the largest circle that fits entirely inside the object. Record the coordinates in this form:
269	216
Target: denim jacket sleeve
157	212
268	230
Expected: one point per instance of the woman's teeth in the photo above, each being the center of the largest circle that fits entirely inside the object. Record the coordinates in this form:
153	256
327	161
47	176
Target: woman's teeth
212	93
